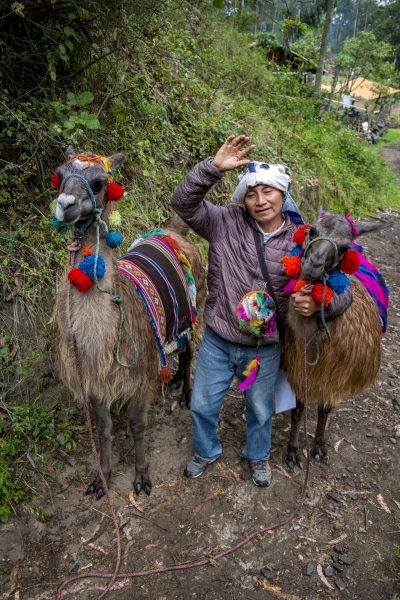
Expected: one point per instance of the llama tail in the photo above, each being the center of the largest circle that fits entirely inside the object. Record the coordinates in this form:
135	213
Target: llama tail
176	224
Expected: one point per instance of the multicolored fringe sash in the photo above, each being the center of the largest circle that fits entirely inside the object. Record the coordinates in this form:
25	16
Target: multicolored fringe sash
162	277
369	276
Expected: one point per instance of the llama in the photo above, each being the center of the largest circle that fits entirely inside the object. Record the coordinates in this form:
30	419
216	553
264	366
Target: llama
95	318
348	363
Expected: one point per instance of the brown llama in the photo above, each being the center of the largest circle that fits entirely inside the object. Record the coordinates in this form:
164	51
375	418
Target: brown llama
94	318
348	363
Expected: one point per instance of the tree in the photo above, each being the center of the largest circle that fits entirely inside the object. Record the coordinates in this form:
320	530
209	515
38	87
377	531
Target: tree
324	46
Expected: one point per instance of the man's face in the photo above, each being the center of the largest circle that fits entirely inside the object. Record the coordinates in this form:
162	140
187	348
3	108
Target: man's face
264	204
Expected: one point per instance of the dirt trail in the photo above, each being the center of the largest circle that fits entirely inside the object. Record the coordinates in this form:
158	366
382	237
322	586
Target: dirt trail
355	498
392	154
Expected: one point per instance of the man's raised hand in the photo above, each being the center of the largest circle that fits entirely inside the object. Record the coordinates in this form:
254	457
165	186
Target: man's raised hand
230	155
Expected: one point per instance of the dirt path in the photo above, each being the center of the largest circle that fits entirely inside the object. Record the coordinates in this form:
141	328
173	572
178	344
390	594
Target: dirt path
392	154
356	498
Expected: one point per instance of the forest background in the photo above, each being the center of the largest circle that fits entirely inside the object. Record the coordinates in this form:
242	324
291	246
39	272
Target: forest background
165	83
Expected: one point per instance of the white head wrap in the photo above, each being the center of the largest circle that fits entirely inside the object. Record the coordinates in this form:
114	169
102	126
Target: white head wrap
277	176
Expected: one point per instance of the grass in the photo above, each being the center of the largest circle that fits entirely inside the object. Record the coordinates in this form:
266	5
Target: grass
391	137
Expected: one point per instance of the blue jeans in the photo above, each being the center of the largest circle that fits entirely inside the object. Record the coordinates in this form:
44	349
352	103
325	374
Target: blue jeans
217	363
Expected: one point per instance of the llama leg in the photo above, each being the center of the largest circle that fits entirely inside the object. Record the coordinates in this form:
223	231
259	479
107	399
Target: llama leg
176	381
293	456
319	448
137	418
103	424
186	357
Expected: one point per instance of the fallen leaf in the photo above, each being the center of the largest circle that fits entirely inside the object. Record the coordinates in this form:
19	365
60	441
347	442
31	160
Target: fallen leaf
154	544
134	503
336	446
87	566
94	546
383	504
303	537
397	428
337	540
323	578
17	596
277	591
174	405
396	503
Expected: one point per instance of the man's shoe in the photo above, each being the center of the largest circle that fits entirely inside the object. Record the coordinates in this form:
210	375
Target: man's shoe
260	472
195	466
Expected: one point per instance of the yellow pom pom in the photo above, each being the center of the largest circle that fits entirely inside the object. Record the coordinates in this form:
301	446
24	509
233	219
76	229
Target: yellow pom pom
114	220
53	206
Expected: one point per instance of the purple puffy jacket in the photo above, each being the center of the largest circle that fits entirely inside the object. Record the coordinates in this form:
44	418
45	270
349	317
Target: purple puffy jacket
233	266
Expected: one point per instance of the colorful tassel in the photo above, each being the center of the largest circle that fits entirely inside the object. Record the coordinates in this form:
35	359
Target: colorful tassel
87	267
58	226
350	262
251	373
55	181
165	374
301	234
114	239
318	292
114	192
338	282
292	266
114	220
80	280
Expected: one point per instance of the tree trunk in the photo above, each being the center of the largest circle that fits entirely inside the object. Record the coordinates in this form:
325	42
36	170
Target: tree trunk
324	46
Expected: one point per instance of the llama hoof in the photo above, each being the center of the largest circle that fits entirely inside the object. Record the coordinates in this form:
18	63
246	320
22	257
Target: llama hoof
175	382
293	458
95	489
142	484
185	400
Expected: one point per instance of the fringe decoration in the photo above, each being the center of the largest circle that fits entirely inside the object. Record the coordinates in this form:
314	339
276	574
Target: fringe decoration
251	373
165	374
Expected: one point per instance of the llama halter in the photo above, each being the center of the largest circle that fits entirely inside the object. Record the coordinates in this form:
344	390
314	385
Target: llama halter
337	280
93	266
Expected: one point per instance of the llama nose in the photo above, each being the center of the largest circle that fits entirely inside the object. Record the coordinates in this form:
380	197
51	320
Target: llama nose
317	261
63	201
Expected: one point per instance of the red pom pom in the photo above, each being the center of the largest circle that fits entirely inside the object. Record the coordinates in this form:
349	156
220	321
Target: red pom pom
300	284
292	266
80	280
55	181
301	234
114	192
350	262
318	291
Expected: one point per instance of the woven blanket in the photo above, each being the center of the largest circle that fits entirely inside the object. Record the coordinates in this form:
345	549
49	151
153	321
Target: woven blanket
369	276
159	270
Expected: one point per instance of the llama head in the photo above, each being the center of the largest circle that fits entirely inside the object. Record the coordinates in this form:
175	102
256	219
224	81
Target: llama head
74	202
329	238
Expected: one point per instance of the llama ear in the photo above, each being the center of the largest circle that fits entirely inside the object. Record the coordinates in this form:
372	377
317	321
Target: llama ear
367	226
69	153
322	211
116	160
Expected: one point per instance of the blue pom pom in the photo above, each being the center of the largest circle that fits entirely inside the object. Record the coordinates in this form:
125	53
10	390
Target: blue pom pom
338	282
87	267
296	250
114	239
58	226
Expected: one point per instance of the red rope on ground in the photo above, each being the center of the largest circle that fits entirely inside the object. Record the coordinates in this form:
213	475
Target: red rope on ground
205	561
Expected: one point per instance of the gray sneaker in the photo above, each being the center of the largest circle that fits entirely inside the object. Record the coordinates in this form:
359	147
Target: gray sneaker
260	472
195	466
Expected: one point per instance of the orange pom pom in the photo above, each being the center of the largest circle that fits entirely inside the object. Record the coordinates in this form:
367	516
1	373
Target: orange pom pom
292	266
350	262
301	234
318	291
300	284
165	374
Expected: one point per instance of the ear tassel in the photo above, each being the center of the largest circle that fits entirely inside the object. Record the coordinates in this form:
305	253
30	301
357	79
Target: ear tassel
251	373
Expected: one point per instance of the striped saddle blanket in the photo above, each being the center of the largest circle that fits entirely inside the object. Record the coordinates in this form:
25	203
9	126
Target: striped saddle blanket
163	279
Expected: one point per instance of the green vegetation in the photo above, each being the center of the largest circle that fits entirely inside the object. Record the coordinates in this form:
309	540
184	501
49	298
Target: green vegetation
26	435
391	137
165	83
